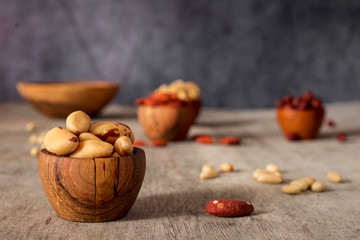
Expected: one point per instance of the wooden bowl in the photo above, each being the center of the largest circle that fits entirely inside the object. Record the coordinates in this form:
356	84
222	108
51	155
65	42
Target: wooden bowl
167	123
92	189
59	99
303	123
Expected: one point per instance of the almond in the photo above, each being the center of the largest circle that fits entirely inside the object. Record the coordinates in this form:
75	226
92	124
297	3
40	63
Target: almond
229	208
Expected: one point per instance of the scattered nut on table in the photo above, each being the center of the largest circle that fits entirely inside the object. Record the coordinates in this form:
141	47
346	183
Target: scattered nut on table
269	175
209	174
300	184
226	167
30	126
34	151
291	189
318	186
334	177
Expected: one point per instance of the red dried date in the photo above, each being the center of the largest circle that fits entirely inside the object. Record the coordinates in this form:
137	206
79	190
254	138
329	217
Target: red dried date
229	208
304	102
330	123
230	140
341	137
159	143
292	137
205	139
139	143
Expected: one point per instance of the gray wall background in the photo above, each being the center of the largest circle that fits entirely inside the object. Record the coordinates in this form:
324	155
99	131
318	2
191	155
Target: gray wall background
242	53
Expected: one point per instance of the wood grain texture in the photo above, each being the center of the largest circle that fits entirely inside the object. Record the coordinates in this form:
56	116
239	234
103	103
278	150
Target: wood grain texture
171	202
92	189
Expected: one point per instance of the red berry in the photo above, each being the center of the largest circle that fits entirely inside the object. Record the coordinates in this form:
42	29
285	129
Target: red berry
341	137
330	123
159	143
205	140
308	95
230	140
139	143
292	137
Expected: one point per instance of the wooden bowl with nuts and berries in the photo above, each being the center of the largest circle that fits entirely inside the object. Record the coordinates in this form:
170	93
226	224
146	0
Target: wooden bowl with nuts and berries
168	113
300	117
90	171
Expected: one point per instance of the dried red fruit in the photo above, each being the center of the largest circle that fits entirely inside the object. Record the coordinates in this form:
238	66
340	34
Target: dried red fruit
316	103
160	97
151	102
308	95
295	102
287	99
159	143
304	102
139	143
292	137
140	101
342	137
230	140
330	123
205	139
229	208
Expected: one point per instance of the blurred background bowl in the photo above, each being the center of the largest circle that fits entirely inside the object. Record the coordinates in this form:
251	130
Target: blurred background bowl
167	123
59	99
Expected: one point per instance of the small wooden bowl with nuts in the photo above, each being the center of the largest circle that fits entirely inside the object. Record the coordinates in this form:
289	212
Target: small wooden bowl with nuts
168	113
92	189
90	171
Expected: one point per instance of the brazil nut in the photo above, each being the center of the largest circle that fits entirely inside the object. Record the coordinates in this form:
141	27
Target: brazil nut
78	122
123	146
93	149
60	141
88	136
111	131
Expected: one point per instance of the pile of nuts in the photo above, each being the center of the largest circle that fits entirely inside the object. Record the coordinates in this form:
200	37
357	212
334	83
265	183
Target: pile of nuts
306	101
208	170
271	174
177	94
186	91
83	139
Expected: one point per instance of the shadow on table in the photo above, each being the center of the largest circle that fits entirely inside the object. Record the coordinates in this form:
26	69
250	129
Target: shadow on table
190	203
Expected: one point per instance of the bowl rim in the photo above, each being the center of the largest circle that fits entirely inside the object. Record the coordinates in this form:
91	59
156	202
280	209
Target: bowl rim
82	83
136	151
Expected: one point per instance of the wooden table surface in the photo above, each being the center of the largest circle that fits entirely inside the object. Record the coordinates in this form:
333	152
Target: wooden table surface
172	199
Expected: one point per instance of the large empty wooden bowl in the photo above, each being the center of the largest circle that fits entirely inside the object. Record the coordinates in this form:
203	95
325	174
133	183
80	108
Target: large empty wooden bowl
305	124
166	122
59	99
92	189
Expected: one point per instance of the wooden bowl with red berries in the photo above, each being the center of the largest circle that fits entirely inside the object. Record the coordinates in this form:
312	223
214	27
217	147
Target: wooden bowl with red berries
168	113
300	118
